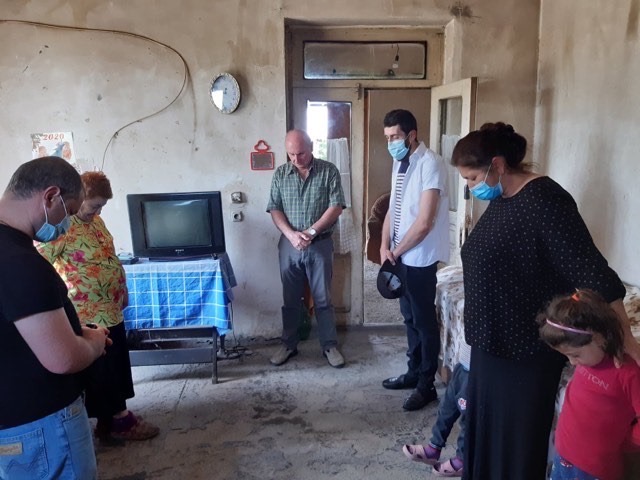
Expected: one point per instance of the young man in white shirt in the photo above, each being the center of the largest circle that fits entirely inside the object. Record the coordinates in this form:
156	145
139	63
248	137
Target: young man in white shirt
416	233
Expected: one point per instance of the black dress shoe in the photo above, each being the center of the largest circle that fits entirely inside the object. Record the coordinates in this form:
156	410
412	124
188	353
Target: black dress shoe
400	383
418	400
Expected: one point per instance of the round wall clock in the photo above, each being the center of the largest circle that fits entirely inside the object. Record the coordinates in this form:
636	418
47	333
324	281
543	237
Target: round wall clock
225	92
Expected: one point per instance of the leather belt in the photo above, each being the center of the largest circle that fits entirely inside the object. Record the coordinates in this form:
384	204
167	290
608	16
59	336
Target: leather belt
322	236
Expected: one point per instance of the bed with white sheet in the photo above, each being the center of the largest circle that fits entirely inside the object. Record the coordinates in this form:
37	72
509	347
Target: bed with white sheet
450	311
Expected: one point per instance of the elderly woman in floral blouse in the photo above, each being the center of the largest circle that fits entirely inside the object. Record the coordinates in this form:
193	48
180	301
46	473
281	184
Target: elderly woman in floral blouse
86	260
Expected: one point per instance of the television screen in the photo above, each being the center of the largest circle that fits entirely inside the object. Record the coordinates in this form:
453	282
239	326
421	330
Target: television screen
177	223
166	226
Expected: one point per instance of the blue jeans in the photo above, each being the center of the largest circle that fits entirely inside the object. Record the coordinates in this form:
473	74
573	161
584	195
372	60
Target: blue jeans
314	263
452	407
59	445
418	308
563	470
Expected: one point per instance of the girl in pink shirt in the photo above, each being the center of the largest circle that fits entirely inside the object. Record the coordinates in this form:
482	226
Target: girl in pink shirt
599	418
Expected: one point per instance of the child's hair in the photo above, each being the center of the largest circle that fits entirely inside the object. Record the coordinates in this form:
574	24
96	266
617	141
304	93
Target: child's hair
572	320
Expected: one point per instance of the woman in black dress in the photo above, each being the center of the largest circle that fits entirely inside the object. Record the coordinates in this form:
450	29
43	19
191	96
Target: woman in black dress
530	245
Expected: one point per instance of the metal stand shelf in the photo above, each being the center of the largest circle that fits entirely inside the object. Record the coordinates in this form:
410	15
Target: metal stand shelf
165	346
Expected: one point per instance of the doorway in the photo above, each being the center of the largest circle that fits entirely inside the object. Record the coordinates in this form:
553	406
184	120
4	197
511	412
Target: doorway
330	114
453	108
334	119
377	180
348	103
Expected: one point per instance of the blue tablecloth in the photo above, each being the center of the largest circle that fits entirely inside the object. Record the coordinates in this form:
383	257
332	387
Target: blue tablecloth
192	293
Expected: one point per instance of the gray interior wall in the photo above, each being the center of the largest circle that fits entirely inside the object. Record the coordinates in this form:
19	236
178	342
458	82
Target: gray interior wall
587	118
94	83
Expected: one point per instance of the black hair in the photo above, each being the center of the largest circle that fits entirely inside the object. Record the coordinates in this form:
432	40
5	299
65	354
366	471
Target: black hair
39	174
403	118
478	148
583	310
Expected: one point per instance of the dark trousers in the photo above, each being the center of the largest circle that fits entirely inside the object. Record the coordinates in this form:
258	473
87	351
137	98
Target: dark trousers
108	380
509	415
452	407
417	306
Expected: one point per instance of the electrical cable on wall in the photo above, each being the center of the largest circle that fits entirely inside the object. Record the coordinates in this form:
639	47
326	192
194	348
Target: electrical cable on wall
225	352
186	80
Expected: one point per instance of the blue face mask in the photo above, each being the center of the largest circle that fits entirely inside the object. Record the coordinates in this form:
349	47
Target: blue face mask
398	149
482	191
48	232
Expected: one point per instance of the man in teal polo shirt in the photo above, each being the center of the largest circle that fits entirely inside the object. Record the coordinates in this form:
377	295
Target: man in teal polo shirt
305	202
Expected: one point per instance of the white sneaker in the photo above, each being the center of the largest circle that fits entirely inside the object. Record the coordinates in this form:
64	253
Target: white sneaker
334	357
282	355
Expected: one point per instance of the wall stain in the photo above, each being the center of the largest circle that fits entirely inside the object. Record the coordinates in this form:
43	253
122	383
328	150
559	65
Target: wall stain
460	10
632	20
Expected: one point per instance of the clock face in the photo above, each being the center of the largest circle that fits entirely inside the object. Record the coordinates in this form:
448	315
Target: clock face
225	92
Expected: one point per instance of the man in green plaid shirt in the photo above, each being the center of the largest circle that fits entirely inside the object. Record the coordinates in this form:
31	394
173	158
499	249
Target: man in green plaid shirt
305	202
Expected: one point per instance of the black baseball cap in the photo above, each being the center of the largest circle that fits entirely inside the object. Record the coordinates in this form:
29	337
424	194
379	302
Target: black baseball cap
391	279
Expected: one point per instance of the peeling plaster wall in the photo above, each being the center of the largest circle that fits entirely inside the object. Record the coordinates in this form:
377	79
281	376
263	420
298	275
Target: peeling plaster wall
588	116
94	83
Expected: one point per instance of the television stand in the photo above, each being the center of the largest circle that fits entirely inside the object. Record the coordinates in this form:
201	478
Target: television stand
178	310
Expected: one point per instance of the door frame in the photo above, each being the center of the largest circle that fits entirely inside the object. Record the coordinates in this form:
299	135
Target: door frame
467	90
299	98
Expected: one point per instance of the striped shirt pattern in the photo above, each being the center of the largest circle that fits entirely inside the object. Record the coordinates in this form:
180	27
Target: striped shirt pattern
398	203
304	201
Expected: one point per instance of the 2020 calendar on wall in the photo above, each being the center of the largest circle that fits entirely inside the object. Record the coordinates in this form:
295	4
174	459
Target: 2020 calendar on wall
57	144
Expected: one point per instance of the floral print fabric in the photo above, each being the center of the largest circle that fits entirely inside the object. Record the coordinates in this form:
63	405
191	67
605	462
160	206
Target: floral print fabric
86	260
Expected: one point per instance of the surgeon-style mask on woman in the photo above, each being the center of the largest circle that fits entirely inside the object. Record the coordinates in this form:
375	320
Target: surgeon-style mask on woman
398	149
49	232
483	191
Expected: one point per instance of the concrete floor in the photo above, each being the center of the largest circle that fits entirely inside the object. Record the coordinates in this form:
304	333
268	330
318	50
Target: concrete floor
377	309
302	420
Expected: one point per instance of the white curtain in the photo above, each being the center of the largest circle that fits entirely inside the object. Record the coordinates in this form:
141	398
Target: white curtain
344	238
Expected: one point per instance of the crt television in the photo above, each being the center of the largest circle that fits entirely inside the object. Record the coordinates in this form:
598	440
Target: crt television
175	226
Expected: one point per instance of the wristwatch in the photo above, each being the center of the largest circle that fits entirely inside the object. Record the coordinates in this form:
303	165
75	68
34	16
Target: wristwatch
312	231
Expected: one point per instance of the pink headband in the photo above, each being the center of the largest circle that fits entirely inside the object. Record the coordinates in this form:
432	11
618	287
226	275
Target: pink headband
568	329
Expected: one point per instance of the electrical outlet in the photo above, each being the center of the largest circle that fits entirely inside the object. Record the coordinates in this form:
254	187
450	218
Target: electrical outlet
237	216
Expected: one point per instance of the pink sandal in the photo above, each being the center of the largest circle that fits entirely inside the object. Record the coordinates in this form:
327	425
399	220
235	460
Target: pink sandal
417	453
446	470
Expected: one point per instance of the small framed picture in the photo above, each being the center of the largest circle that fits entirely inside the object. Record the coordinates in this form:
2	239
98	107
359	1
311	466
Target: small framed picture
262	158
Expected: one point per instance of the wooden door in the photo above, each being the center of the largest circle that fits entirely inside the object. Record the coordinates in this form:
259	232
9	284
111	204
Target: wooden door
453	109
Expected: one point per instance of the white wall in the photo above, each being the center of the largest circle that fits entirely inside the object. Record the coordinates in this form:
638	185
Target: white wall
588	116
94	83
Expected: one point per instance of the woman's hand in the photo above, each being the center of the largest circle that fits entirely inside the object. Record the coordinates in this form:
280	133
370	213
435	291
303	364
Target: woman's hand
97	336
